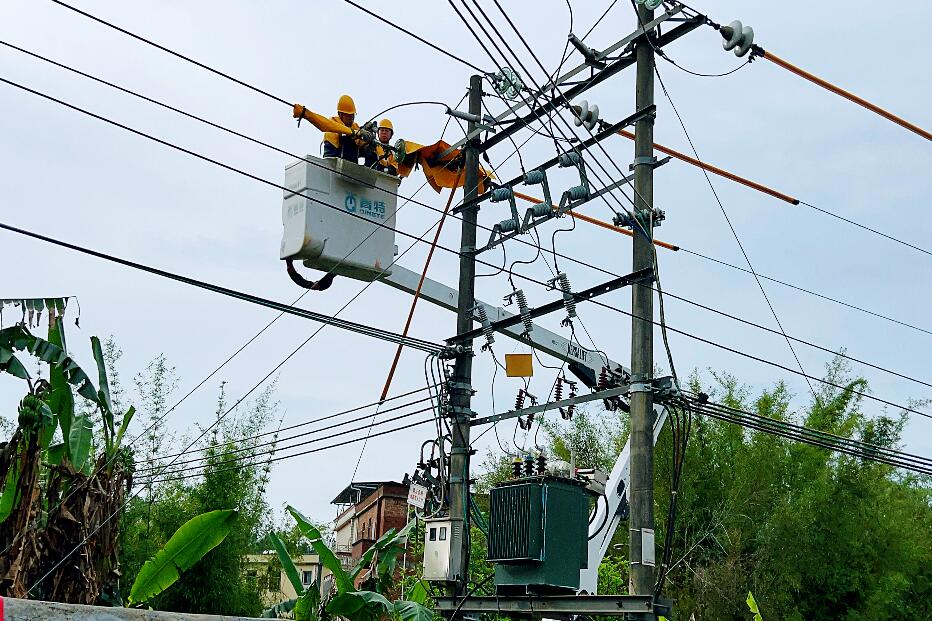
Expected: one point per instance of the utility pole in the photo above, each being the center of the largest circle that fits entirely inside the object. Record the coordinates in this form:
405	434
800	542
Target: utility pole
641	524
461	388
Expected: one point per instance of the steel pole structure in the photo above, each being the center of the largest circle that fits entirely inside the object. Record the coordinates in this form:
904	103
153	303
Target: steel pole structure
641	524
461	387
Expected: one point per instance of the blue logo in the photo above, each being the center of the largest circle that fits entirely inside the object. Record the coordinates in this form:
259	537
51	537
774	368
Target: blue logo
350	203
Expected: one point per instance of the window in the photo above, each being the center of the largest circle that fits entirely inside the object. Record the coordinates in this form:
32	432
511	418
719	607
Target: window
433	534
443	533
307	577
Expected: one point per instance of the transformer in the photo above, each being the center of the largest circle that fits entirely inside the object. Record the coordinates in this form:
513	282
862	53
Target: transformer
538	534
333	212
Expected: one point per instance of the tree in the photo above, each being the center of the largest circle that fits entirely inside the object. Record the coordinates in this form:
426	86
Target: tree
218	584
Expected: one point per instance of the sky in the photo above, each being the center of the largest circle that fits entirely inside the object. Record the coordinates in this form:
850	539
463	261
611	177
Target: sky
73	177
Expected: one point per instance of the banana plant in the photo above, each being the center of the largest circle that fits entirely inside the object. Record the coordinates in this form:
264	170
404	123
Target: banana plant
345	600
188	545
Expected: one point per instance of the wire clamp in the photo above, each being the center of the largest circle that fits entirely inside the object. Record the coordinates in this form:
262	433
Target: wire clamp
648	160
636	387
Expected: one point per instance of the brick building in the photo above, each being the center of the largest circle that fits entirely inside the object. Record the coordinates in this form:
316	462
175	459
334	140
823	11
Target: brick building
366	511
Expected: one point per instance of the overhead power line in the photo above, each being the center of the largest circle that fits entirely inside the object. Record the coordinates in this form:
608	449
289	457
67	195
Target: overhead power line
173	52
772	363
250	452
306	423
343	324
153	463
814	437
302	453
411	34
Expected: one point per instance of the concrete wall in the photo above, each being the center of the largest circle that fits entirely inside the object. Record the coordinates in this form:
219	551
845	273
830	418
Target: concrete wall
31	610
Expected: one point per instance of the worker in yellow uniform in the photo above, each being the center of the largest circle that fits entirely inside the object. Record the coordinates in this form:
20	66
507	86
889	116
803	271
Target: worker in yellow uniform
345	146
379	155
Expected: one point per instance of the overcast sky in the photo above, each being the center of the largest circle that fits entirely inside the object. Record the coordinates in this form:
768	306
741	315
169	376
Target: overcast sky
75	178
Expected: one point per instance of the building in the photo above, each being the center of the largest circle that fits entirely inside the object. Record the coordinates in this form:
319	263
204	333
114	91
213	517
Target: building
365	512
276	585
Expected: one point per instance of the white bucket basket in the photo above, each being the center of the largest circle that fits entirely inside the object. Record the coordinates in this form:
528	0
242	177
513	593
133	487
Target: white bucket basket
346	238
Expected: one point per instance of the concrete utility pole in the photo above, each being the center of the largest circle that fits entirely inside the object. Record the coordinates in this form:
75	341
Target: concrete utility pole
641	525
461	389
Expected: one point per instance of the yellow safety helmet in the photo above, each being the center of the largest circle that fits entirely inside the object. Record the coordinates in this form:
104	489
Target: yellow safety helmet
346	105
386	124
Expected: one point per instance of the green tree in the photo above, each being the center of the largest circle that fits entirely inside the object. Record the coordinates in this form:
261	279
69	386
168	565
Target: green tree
219	583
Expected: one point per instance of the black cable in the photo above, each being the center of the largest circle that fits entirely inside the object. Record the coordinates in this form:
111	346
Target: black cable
307	452
173	53
866	228
824	436
475	588
246	297
798	340
303	434
808	291
411	34
813	437
771	363
251	453
598	21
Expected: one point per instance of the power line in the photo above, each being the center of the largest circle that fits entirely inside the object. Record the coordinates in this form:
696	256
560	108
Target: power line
770	362
867	228
246	297
411	34
304	424
308	452
173	53
813	437
252	453
808	291
798	340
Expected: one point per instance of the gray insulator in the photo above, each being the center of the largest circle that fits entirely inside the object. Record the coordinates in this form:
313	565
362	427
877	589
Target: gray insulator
506	226
568	159
534	177
501	194
541	209
525	311
578	192
568	301
486	325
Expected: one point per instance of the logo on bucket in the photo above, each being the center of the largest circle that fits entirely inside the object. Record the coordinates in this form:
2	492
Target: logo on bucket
350	203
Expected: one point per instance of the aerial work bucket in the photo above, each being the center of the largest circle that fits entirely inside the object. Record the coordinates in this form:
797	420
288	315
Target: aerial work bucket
347	238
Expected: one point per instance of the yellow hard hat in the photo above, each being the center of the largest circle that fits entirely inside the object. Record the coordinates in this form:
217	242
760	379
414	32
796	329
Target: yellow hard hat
386	124
346	105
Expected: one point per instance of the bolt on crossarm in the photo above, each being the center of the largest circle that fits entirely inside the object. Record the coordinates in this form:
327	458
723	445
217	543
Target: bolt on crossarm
641	524
461	388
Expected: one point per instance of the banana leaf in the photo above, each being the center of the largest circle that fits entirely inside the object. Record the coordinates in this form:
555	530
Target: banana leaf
287	564
187	546
306	608
327	557
79	441
279	608
17	338
412	611
360	605
8	495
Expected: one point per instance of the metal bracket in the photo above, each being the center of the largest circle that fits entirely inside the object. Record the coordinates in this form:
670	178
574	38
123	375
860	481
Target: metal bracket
640	387
648	160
